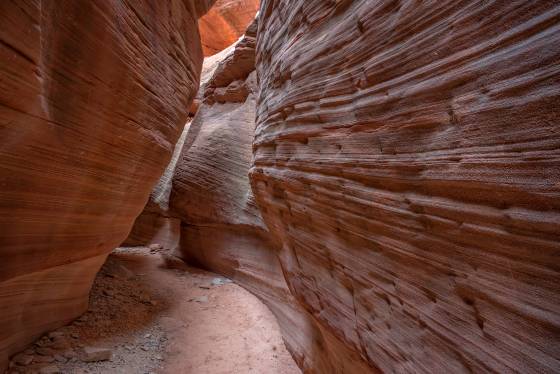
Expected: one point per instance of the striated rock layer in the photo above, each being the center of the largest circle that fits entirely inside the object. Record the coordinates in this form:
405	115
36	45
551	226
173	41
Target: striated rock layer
225	23
210	191
407	160
93	96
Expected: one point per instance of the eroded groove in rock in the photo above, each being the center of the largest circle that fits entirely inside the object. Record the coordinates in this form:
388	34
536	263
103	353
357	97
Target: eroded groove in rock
93	96
407	159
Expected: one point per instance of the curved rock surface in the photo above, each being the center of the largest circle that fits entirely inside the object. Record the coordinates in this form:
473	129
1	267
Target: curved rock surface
156	225
226	22
407	159
93	97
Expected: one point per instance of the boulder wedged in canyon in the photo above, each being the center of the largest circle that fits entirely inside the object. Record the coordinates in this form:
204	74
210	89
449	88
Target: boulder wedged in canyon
407	160
225	23
93	97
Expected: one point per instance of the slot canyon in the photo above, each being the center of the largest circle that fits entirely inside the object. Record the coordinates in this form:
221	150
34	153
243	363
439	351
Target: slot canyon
279	186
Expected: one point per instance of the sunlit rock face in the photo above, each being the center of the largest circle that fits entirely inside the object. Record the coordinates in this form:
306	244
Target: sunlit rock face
225	23
93	97
407	161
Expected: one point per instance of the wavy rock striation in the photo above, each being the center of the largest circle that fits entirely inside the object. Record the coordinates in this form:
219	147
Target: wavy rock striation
92	100
407	159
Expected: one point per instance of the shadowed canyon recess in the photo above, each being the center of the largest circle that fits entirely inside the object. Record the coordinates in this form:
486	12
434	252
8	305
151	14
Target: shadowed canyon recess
292	186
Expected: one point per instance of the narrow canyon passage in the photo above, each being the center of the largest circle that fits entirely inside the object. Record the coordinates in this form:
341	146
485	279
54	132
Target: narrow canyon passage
371	186
150	313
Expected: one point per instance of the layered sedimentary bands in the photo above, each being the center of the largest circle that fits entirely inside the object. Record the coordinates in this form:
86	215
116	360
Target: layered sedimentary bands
225	23
211	192
93	97
407	162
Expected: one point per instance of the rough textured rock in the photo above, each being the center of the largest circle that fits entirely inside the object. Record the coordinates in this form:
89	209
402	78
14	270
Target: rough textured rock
225	23
92	100
407	158
93	354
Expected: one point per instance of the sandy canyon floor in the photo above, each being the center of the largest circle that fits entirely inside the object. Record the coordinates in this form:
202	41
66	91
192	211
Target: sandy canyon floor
150	313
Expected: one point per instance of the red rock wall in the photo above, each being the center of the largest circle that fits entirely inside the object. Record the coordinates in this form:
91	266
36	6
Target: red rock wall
154	228
93	96
407	159
225	23
156	225
210	181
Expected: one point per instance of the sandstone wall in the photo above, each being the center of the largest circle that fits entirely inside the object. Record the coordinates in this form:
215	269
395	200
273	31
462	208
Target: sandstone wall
93	96
407	160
